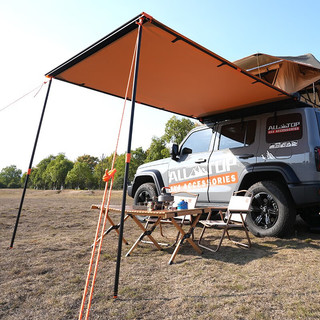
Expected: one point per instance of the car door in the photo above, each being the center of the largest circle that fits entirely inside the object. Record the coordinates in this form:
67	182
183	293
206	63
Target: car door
190	171
234	153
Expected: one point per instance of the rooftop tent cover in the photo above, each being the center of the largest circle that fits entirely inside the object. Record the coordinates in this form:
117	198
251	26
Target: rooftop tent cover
291	74
175	73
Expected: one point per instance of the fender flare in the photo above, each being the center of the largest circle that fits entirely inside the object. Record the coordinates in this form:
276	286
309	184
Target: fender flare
154	174
284	169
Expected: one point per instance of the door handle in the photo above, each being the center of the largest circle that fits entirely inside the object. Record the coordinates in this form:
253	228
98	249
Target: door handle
201	160
246	156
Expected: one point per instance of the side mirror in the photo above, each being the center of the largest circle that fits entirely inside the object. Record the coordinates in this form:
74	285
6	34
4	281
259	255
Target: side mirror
186	150
174	151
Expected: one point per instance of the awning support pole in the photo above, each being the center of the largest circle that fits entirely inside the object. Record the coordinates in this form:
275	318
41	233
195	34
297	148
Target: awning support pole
30	166
126	174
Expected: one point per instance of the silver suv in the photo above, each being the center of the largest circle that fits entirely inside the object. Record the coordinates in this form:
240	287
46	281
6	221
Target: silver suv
274	154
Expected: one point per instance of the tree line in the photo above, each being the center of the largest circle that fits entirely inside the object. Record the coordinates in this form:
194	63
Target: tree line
57	171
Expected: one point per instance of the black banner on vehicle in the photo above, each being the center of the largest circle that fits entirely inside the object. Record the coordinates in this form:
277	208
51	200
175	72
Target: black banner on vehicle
284	128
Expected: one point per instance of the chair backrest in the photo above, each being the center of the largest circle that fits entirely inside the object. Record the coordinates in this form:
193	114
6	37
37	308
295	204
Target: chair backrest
239	205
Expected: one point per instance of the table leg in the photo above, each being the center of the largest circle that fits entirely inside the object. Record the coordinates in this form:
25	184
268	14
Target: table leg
113	227
185	236
116	227
144	233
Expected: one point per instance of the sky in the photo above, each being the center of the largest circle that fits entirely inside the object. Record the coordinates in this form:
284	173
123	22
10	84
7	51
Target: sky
37	36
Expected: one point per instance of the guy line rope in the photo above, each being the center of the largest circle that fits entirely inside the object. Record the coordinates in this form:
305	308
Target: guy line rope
109	175
26	94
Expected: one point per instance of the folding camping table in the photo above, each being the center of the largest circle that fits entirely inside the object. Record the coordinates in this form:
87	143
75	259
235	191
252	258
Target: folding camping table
160	215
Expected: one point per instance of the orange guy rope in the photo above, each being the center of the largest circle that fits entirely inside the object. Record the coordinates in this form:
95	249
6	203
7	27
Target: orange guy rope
110	175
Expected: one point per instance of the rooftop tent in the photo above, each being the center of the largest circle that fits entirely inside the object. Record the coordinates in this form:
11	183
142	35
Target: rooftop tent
175	73
291	74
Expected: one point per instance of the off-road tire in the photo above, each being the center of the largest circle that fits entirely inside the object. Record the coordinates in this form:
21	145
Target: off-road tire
273	213
146	192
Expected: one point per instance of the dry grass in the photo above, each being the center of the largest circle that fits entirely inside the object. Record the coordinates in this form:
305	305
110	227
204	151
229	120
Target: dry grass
43	276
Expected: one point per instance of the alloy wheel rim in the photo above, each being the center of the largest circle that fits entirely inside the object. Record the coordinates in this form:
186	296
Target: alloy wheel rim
144	197
265	210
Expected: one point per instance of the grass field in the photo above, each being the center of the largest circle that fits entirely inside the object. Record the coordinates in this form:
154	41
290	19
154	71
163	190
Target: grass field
43	276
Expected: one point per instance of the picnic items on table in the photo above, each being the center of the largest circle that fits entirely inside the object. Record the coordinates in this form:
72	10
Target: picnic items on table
181	200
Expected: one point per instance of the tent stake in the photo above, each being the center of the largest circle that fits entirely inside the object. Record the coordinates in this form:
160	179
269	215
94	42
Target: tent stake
126	174
30	166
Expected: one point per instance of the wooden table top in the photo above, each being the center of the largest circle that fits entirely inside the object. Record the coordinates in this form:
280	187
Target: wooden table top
168	213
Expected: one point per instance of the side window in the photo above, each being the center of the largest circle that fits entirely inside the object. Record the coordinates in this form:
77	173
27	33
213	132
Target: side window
199	141
283	128
237	135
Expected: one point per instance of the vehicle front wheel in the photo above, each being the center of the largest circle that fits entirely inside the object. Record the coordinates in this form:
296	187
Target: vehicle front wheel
273	213
146	192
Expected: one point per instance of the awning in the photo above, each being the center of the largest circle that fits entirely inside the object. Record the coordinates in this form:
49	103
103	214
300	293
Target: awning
175	73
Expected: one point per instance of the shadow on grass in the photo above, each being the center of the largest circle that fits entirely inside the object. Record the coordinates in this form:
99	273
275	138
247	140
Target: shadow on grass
301	238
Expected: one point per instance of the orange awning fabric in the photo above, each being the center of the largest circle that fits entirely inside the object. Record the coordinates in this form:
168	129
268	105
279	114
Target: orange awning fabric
175	73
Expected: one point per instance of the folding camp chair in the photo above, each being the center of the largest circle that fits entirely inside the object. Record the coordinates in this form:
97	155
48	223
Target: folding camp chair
190	198
233	218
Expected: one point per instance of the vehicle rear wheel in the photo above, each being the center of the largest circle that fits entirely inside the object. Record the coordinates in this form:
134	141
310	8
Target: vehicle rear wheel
273	213
146	192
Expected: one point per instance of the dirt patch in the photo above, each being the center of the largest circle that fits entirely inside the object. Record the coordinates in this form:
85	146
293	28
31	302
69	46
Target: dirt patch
43	276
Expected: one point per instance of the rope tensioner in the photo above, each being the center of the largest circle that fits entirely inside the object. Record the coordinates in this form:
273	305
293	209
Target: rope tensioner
109	175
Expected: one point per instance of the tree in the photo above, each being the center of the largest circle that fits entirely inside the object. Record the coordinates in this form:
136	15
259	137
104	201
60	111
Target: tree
99	170
119	176
91	161
176	129
57	171
157	150
80	176
10	177
52	171
38	177
138	157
